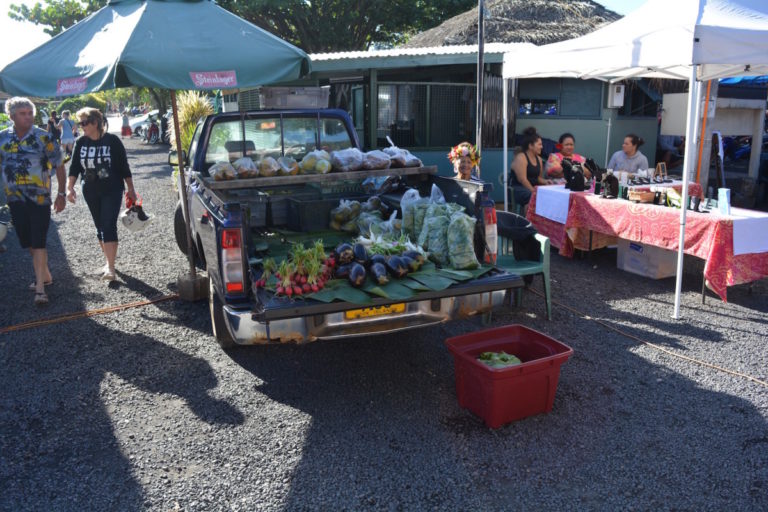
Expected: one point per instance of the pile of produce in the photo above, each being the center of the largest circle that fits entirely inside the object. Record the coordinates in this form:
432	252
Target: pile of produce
305	271
498	359
314	162
356	263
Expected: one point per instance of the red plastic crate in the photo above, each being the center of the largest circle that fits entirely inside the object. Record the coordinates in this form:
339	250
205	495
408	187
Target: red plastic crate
503	395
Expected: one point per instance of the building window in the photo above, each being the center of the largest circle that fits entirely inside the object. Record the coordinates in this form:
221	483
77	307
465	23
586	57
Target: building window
561	97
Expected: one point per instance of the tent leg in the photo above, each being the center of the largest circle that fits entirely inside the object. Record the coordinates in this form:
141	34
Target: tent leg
691	126
505	117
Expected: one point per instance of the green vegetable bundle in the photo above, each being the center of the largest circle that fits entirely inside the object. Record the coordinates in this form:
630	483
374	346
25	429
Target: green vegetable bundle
499	359
461	246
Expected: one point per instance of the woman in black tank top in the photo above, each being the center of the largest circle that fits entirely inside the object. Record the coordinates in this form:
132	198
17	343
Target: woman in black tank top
527	168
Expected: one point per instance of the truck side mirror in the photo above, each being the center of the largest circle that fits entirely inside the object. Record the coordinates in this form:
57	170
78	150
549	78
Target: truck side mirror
173	158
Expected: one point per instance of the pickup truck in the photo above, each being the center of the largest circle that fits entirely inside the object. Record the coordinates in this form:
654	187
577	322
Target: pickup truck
235	223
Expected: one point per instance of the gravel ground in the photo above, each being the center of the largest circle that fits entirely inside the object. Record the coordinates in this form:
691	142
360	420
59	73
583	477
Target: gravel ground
142	410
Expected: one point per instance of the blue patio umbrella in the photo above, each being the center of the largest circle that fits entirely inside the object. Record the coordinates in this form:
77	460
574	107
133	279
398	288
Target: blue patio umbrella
168	44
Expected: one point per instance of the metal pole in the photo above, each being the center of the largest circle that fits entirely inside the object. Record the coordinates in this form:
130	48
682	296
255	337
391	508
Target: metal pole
608	138
694	99
505	117
479	114
183	186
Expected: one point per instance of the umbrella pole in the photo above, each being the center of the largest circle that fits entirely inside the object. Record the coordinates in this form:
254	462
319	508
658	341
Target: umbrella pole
691	123
505	103
191	286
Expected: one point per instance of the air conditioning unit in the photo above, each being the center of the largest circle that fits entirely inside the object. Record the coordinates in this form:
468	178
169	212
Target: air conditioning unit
615	96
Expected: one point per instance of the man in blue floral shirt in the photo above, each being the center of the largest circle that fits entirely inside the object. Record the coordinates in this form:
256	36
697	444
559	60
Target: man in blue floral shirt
27	156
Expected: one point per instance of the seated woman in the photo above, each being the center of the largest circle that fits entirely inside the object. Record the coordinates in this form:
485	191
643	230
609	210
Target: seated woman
528	168
629	159
565	146
465	161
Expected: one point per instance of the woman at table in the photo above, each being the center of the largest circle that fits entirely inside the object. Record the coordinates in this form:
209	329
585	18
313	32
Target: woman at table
565	151
528	168
629	159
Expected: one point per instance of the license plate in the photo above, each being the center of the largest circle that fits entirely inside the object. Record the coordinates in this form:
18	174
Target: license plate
374	311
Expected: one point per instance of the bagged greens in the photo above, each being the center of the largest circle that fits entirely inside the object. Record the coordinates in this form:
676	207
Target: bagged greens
461	247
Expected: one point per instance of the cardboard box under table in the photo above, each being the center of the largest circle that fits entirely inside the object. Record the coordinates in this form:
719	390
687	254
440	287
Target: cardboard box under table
645	260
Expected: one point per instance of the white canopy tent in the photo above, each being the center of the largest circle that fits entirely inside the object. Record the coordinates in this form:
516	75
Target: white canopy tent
696	40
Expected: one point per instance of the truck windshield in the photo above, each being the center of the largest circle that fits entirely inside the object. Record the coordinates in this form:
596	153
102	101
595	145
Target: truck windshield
275	137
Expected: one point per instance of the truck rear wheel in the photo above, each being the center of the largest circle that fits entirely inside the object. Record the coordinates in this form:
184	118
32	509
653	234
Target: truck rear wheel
218	326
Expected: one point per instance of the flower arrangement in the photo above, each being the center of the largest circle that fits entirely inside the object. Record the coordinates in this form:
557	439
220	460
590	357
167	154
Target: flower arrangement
464	149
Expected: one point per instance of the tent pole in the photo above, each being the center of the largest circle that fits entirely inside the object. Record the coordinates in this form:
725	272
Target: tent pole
608	138
505	130
691	124
480	78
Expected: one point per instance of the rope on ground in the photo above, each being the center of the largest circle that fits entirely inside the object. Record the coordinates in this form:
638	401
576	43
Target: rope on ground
655	346
86	314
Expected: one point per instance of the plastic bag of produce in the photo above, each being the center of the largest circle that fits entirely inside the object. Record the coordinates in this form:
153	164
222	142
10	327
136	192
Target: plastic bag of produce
461	248
288	166
376	160
317	161
408	206
437	239
268	167
366	220
411	160
246	168
222	171
381	184
347	160
396	156
392	226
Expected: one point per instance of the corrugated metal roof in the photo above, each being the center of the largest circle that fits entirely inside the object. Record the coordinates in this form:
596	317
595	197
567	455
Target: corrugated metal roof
495	48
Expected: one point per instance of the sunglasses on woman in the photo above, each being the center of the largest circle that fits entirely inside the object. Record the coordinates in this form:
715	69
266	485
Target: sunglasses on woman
84	123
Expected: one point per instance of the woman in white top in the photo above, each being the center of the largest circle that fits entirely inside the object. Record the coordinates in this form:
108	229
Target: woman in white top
629	159
68	130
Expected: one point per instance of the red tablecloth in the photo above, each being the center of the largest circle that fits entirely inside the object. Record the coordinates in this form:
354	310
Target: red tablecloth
707	235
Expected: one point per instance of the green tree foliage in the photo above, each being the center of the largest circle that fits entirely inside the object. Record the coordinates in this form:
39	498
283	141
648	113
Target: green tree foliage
55	15
316	26
346	25
75	103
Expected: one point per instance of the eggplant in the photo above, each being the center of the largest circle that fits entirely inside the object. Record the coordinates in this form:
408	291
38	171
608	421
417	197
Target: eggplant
411	264
396	267
343	271
360	254
356	275
379	273
378	258
344	253
416	255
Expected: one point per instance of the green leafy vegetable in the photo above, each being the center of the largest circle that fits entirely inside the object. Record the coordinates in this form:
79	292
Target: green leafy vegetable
498	359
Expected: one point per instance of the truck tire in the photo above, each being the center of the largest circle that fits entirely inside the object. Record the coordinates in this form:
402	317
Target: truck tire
216	309
179	229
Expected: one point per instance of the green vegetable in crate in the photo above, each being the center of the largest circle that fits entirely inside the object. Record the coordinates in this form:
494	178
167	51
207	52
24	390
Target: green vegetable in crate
344	253
378	272
360	254
461	246
396	266
356	275
499	359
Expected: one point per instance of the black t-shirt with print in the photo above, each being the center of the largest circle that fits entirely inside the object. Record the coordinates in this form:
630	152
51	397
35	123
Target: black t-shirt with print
102	162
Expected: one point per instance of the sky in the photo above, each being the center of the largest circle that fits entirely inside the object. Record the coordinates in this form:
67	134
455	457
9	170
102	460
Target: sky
17	38
622	7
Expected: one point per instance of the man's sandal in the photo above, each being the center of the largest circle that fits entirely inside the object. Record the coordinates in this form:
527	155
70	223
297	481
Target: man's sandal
41	298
